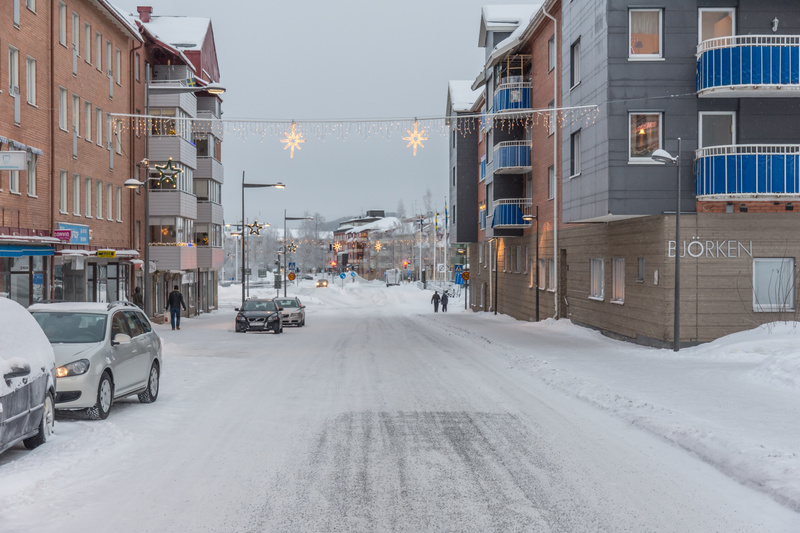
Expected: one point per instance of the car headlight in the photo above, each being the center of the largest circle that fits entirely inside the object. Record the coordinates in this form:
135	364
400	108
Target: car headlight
241	318
75	368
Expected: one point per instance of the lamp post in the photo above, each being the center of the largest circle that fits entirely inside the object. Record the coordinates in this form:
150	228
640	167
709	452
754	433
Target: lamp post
536	281
278	185
496	271
662	156
285	247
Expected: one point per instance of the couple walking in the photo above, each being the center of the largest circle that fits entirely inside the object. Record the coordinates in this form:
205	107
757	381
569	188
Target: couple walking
435	299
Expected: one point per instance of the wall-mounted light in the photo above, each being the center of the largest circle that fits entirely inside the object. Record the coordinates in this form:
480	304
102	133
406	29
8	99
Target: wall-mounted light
774	24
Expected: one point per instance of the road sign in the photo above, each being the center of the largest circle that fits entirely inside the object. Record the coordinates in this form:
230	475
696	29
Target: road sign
292	266
106	253
352	274
291	276
342	275
465	275
459	268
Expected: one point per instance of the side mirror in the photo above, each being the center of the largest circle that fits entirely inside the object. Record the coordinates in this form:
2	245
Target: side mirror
17	371
235	308
120	338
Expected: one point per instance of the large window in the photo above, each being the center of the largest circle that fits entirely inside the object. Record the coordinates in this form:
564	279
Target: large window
715	23
773	284
171	230
644	134
575	154
618	280
596	277
208	191
645	34
717	129
575	63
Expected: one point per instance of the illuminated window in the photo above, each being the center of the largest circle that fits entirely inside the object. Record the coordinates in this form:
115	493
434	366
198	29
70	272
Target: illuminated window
596	277
618	280
644	134
645	33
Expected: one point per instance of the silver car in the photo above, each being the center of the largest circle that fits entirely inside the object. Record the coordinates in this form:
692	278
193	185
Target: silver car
104	352
294	313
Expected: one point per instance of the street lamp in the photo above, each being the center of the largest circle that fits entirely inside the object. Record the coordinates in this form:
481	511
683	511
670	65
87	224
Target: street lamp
662	156
285	248
278	185
535	217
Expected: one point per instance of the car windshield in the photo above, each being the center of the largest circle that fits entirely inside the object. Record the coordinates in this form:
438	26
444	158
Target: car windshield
288	303
72	328
256	305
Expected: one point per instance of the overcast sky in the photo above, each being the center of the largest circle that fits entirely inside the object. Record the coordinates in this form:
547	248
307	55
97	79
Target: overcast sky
323	59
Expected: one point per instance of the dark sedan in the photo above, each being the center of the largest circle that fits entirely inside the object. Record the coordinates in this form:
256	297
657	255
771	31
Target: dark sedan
259	314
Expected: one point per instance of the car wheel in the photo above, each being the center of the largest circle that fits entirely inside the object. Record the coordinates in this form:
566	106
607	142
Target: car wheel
303	322
105	395
151	393
45	424
276	328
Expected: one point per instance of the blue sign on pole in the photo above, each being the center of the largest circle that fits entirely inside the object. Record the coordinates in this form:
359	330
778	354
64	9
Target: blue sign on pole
292	266
352	274
459	269
342	275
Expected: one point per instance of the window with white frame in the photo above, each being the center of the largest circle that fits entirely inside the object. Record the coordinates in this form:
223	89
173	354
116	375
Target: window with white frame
13	70
596	277
551	274
62	182
62	23
76	114
717	128
119	204
109	58
118	136
87	42
644	135
118	66
32	160
99	199
87	182
575	154
551	53
551	182
87	115
76	32
542	282
714	23
640	271
98	51
618	280
645	35
138	60
13	181
109	131
109	202
31	4
99	125
31	80
773	284
551	118
575	63
76	194
519	267
62	108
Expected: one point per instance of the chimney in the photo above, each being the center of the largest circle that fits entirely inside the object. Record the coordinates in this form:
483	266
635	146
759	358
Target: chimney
144	13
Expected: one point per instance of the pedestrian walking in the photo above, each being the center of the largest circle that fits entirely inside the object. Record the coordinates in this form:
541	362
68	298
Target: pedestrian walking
138	298
435	299
174	304
445	297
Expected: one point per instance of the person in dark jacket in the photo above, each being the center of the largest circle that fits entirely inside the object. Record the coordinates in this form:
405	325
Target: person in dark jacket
138	298
435	300
174	304
444	301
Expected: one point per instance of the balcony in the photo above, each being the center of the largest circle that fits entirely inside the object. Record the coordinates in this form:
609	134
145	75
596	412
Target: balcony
512	157
749	65
509	213
748	171
512	96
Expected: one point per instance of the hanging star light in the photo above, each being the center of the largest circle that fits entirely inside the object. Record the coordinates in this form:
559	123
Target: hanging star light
255	228
167	172
337	246
293	140
415	138
292	247
378	246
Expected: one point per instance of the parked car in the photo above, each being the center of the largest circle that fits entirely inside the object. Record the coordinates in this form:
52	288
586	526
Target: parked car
322	283
28	387
104	352
259	314
308	276
294	313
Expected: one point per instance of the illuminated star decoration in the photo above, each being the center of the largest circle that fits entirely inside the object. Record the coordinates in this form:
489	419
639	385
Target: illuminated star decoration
292	247
255	228
293	140
415	138
167	173
337	246
378	246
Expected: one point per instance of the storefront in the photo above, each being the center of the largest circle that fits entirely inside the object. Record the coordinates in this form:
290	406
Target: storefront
25	268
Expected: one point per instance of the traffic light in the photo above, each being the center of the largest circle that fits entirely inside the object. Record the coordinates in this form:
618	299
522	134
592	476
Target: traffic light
405	264
333	263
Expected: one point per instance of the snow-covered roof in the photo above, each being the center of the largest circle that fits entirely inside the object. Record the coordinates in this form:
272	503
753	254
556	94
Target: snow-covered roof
460	96
121	18
184	33
383	224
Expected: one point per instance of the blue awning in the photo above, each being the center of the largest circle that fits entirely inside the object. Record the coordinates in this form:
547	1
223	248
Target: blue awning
19	251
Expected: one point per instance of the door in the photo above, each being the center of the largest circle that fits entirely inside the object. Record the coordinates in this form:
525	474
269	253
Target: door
144	348
14	409
123	356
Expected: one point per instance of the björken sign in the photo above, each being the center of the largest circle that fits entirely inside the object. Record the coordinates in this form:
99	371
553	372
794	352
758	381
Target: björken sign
63	234
713	249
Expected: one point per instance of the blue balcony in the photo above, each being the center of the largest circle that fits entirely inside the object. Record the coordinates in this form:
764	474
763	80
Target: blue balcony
511	213
749	65
748	171
512	157
512	96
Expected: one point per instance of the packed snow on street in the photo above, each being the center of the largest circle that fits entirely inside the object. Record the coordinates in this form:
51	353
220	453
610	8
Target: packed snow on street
381	415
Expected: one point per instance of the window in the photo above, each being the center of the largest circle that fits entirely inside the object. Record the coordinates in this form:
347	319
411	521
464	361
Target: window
109	202
575	64
716	23
76	32
109	131
62	108
32	160
542	281
645	34
98	50
551	120
551	53
108	58
76	194
87	42
99	125
13	71
717	128
62	204
644	135
87	115
62	23
575	153
31	80
76	114
640	271
118	136
518	266
596	276
551	180
136	66
119	204
13	181
773	284
87	182
31	4
99	199
551	274
118	66
618	280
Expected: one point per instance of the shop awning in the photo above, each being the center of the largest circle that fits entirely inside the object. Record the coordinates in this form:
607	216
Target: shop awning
19	251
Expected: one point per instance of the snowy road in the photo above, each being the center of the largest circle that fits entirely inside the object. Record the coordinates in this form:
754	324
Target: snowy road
376	416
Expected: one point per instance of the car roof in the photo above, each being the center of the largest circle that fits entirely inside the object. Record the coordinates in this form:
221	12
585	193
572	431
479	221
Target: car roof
79	307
